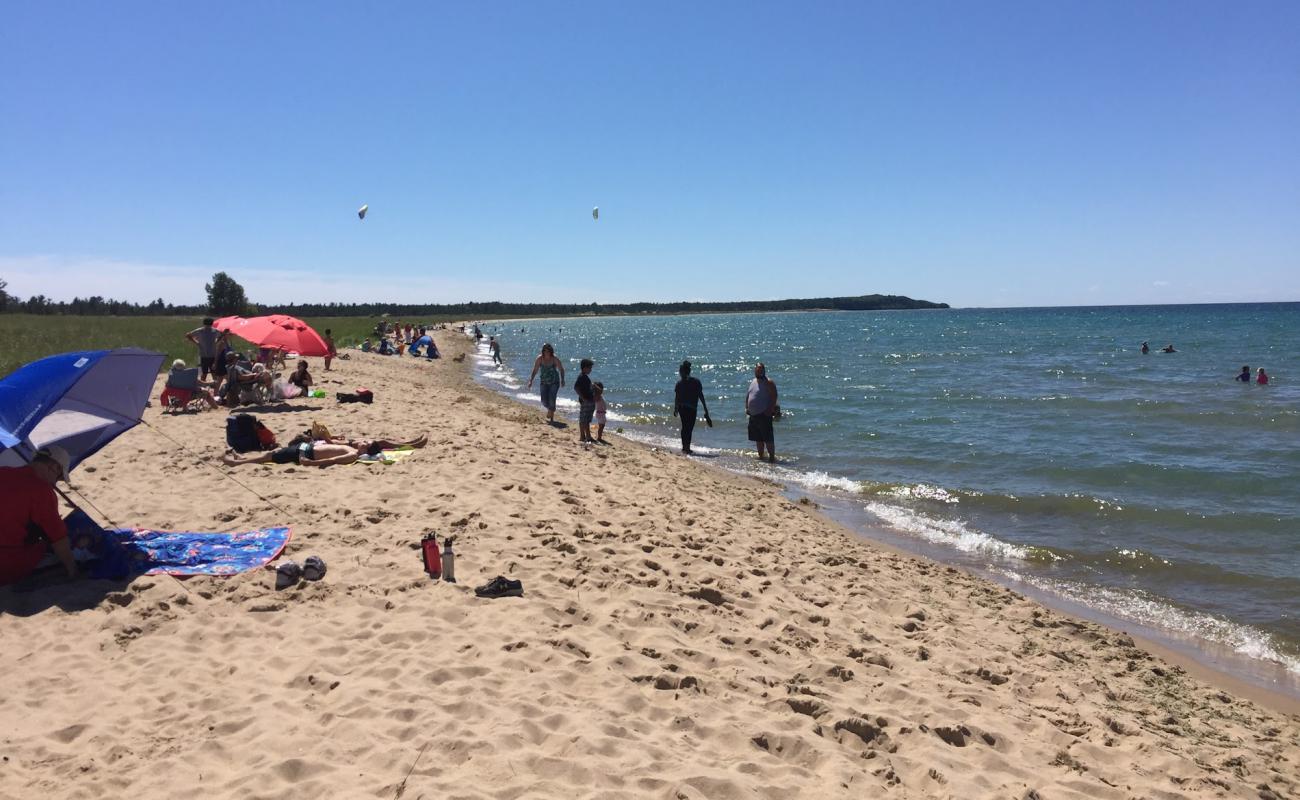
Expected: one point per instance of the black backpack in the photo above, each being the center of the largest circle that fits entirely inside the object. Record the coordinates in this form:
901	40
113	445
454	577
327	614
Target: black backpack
245	434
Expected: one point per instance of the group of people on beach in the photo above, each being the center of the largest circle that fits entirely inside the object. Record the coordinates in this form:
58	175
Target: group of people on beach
761	406
394	339
591	394
228	377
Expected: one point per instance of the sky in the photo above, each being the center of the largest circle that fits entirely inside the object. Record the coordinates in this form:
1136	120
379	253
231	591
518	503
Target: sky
979	154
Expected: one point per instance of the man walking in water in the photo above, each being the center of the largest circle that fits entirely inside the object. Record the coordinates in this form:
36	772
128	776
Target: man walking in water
760	405
687	395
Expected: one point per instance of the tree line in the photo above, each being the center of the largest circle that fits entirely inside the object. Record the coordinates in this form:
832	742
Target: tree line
226	297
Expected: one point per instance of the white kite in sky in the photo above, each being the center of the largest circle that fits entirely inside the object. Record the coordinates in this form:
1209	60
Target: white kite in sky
361	212
595	213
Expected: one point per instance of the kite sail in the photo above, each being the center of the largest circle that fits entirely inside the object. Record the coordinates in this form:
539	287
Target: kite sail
361	212
595	213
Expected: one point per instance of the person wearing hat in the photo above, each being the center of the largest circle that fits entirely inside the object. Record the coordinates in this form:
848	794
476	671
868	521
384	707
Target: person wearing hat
29	515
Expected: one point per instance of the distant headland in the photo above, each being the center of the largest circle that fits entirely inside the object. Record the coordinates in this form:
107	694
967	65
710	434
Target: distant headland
866	302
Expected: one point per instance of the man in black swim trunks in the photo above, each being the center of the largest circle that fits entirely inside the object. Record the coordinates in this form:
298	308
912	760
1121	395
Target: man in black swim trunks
306	454
761	405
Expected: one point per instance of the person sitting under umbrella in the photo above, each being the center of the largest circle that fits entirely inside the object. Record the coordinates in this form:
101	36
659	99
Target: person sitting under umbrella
29	516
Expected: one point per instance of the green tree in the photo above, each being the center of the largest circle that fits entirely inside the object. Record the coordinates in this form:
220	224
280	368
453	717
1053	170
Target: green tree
4	295
225	296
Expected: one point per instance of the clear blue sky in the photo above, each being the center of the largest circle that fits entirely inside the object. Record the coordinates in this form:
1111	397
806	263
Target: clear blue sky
983	154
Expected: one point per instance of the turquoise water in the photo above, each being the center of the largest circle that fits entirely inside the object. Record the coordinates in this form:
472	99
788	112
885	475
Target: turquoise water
1038	445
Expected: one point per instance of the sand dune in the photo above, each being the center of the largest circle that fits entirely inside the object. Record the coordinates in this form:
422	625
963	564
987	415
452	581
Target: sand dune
684	633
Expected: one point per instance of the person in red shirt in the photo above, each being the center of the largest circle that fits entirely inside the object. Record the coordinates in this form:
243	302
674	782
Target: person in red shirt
29	516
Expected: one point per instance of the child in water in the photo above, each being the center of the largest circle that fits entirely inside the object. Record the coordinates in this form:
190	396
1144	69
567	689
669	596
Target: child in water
1262	380
598	389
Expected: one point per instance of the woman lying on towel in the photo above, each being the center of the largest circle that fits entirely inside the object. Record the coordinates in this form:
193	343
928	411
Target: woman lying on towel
364	445
305	454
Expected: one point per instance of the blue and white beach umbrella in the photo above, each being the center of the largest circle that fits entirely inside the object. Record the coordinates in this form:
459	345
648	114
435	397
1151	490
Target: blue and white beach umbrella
79	401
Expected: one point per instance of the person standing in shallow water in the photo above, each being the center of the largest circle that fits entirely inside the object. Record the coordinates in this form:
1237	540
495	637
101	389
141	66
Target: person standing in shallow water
586	401
760	405
552	370
686	395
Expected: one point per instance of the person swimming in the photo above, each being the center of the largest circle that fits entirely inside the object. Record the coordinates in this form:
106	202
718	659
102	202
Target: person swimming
1169	348
1262	379
1146	348
1244	377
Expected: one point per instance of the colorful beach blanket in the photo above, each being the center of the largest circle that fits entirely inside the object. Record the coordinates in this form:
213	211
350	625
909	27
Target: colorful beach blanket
125	552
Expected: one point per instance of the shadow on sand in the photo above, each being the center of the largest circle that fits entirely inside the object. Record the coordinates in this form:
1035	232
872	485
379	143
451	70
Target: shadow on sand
50	588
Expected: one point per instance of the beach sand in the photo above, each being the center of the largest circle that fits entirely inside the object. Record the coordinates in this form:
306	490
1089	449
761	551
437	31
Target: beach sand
684	633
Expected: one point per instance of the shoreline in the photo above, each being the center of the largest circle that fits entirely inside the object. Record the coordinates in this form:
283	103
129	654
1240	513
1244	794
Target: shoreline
684	633
1194	656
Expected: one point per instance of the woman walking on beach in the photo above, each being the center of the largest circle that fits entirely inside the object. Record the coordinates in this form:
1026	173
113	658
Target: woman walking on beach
687	395
760	405
552	370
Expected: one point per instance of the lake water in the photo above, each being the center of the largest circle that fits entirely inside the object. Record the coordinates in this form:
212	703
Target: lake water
1039	446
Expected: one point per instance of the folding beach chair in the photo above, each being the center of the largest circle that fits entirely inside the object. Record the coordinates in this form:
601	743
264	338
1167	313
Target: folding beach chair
181	391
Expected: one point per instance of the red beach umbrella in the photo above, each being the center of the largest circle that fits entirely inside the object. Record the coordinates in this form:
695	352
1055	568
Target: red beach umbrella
279	331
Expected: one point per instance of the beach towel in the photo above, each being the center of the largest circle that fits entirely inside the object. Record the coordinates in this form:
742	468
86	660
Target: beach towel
127	552
386	456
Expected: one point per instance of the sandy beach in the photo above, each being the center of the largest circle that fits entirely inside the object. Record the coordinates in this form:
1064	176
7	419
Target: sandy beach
684	633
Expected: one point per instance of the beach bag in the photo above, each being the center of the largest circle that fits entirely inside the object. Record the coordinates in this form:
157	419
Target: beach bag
265	438
245	434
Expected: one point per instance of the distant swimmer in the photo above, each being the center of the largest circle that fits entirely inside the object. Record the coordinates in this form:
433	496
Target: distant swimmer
1244	377
1145	348
1262	380
1169	348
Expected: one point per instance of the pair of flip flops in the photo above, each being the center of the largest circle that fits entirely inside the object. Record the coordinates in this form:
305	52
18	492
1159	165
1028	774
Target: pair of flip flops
289	573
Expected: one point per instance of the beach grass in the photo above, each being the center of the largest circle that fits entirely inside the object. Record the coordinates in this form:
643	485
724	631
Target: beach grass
27	337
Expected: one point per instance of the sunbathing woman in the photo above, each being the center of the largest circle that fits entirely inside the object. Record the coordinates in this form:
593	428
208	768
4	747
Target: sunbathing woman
305	454
364	446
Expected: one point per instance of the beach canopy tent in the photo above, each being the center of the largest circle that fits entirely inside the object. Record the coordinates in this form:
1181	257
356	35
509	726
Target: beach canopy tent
277	331
78	401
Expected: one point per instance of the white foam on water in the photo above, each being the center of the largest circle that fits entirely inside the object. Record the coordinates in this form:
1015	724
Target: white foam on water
560	402
1139	607
816	479
948	532
671	442
922	491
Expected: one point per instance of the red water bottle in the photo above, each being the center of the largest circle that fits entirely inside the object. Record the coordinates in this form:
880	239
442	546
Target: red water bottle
432	559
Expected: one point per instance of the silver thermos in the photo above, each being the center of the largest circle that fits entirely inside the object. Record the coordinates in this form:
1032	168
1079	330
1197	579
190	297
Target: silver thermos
448	561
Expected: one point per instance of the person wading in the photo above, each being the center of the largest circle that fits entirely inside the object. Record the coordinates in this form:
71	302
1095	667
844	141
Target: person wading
760	405
687	394
552	370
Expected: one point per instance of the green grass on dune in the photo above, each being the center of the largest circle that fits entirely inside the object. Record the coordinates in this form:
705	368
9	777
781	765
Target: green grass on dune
27	337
